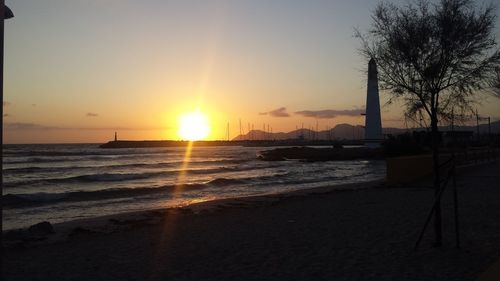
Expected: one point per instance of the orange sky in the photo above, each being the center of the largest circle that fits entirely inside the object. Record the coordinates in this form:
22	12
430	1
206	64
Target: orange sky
77	71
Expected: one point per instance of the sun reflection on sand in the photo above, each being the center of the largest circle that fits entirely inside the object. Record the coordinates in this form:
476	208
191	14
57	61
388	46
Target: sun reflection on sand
170	218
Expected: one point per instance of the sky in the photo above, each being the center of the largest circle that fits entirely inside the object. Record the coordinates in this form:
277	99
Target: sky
80	70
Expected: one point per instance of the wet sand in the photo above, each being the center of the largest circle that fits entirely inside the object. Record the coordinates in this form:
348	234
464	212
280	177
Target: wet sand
319	234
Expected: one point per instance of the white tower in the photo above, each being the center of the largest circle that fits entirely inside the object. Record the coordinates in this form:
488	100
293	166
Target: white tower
373	124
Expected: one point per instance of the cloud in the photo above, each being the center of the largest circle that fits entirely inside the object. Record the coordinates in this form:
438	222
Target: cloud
330	113
40	127
280	112
90	114
28	126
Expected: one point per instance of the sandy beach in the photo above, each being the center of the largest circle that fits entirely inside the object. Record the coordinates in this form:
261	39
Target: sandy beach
319	234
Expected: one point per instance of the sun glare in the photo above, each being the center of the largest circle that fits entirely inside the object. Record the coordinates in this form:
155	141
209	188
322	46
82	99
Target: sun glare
193	126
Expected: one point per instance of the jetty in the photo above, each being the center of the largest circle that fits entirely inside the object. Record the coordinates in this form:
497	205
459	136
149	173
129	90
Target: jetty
247	143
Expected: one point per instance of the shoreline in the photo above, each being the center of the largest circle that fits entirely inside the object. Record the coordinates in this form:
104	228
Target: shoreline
210	204
99	222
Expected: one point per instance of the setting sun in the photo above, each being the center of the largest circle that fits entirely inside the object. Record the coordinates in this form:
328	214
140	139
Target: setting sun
193	126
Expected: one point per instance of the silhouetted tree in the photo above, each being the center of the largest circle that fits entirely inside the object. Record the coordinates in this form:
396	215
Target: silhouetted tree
435	58
495	83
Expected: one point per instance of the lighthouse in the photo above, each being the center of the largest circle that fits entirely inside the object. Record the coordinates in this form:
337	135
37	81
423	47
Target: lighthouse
373	123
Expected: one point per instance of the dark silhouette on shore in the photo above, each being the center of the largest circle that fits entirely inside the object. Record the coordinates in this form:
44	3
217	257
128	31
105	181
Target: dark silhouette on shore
343	134
436	59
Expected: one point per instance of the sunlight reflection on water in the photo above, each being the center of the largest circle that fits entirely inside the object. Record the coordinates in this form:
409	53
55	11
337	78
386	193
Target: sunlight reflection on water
64	182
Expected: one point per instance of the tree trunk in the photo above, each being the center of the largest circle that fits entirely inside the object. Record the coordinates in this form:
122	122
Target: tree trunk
435	158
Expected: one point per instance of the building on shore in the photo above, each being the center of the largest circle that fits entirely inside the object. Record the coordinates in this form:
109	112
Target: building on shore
373	123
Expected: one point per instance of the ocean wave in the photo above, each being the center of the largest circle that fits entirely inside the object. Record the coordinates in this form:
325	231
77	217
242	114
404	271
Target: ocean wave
43	198
35	153
25	170
225	181
104	177
33	160
58	159
30	169
101	177
221	161
37	169
13	201
306	181
222	181
115	177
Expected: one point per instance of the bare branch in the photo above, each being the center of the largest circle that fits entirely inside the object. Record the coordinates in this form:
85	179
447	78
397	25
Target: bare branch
435	57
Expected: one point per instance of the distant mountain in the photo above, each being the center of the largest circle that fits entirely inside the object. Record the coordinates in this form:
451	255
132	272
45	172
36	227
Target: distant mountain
351	132
483	128
341	131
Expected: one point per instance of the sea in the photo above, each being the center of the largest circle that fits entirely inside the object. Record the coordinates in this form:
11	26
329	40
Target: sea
64	182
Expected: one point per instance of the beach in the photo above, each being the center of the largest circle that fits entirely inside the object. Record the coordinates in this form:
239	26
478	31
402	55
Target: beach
366	233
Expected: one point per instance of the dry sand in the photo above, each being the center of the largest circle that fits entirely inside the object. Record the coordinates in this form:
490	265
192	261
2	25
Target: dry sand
320	234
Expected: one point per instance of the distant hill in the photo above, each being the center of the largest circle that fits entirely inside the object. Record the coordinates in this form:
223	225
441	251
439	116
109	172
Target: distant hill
341	131
351	132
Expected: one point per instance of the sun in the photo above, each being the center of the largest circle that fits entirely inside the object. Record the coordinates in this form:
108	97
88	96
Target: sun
193	126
